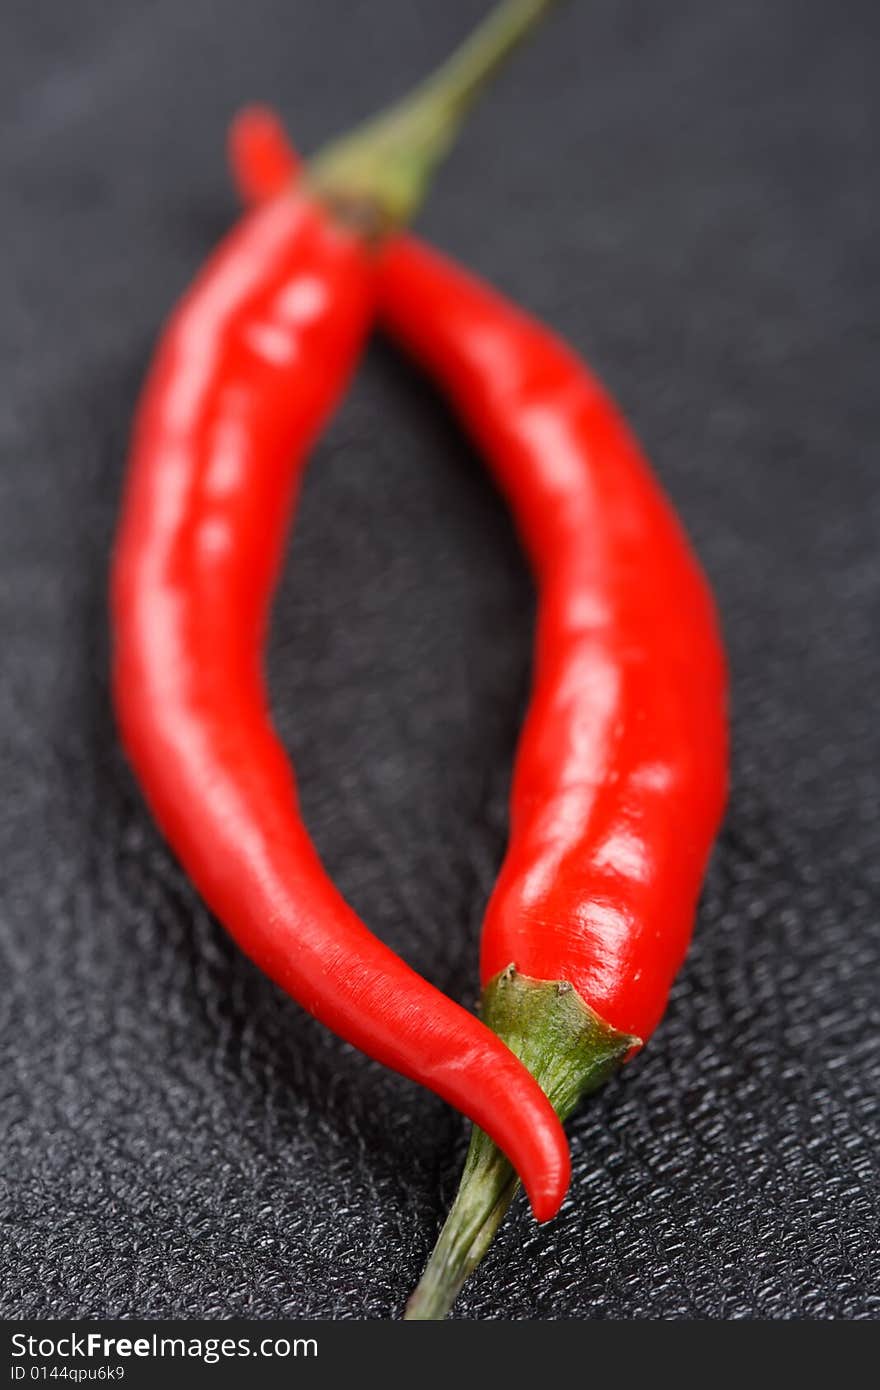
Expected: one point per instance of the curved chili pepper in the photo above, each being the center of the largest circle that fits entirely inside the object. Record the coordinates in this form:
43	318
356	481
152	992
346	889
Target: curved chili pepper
251	362
621	771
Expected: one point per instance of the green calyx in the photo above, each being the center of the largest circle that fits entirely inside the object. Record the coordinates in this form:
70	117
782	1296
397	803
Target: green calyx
378	176
570	1051
566	1046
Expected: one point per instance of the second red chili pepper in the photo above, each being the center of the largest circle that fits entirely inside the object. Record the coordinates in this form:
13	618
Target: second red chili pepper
621	769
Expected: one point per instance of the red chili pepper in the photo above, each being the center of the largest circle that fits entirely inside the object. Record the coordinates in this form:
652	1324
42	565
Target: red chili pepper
249	365
621	771
621	768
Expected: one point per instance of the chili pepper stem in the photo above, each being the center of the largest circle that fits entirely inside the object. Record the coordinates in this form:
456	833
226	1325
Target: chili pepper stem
383	168
570	1051
488	1186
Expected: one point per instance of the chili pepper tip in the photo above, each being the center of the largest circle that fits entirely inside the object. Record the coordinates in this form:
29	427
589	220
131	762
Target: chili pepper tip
261	158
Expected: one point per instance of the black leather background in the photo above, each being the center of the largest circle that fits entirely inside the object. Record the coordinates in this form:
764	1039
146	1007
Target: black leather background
689	192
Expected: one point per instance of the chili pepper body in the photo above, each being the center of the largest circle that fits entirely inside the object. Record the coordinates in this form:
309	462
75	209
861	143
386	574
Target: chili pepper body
251	362
620	774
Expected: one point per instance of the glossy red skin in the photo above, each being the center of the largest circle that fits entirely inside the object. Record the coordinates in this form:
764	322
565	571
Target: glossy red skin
248	367
621	771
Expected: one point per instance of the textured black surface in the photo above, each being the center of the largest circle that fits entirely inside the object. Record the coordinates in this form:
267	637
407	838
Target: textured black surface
689	192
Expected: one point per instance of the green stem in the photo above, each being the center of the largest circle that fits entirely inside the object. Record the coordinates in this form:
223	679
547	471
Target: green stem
570	1051
383	168
488	1186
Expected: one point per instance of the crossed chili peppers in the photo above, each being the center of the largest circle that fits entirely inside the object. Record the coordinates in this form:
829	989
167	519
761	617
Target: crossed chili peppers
621	770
